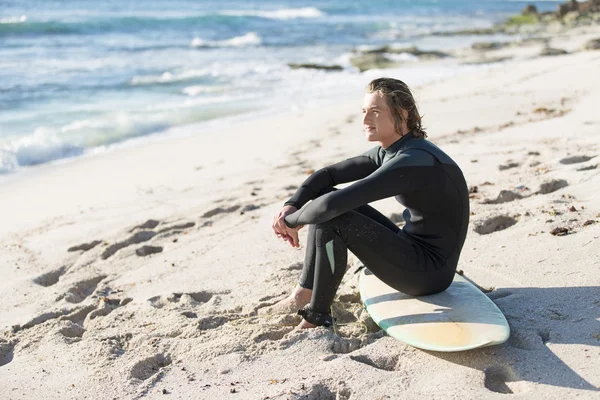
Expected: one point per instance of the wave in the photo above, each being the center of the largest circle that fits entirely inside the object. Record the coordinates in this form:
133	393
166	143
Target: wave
199	89
23	26
229	71
283	14
13	20
87	136
169	77
40	147
249	39
74	139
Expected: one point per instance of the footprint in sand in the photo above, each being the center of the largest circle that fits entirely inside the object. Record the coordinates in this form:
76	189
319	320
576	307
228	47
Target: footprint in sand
273	334
319	391
527	339
250	207
545	335
187	298
575	159
81	290
499	294
212	322
508	165
50	278
495	378
220	210
148	225
174	229
494	224
505	196
138	237
76	315
85	246
148	250
587	168
342	345
552	186
383	362
6	352
72	330
148	367
73	324
108	305
115	346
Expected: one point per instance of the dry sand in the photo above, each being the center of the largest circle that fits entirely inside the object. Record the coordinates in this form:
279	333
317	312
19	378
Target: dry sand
108	320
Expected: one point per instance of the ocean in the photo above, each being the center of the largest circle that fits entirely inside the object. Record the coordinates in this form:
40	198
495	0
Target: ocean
79	77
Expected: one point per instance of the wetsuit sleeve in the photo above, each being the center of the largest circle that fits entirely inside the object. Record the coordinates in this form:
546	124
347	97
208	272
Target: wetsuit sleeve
323	180
407	174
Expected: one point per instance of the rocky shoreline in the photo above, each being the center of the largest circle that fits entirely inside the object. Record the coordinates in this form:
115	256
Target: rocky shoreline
529	27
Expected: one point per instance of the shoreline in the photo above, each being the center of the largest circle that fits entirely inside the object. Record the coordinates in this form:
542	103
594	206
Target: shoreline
50	143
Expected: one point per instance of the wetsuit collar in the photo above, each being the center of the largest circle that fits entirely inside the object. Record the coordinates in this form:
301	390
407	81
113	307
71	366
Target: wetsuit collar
398	145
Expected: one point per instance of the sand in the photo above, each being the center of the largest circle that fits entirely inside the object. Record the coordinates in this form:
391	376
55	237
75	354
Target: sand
141	272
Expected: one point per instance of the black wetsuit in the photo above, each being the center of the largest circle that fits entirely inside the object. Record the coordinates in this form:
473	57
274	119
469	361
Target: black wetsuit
419	259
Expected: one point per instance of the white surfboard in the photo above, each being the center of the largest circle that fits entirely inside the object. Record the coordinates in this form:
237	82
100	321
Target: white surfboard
459	318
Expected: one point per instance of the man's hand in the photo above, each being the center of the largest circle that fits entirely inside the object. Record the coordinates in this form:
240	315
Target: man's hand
290	235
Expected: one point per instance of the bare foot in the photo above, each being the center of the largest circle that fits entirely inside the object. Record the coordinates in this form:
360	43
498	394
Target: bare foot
295	301
305	324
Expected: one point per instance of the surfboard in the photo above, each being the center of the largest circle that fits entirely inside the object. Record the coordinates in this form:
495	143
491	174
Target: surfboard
459	318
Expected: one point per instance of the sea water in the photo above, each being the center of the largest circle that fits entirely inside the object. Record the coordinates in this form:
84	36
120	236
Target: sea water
79	76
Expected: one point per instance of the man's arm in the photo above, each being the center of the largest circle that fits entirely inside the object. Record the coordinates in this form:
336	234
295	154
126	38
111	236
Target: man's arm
325	179
406	175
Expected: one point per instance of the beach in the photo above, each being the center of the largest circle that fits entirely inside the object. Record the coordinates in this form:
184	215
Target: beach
141	271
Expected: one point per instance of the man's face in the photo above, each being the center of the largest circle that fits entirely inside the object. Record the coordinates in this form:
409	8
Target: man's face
378	123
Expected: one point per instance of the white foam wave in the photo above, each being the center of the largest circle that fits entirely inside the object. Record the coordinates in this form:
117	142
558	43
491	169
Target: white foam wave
40	147
169	77
198	89
283	14
14	20
218	70
81	124
249	39
8	161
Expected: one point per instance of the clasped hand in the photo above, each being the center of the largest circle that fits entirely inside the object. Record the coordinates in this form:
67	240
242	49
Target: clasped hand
288	234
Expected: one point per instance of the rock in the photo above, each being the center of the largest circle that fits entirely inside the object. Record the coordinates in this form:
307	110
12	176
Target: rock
463	32
377	50
412	50
563	9
371	61
419	53
521	20
593	44
486	45
550	51
530	9
317	66
487	60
